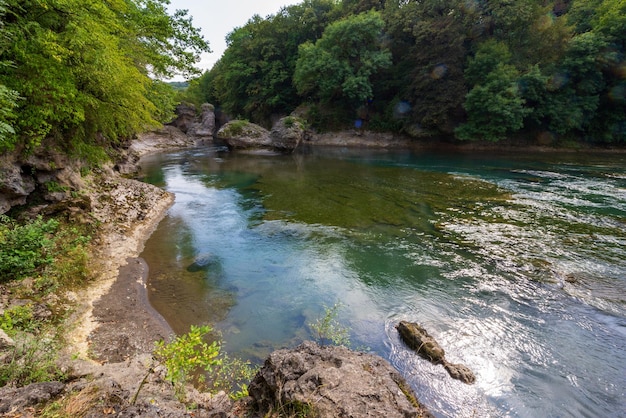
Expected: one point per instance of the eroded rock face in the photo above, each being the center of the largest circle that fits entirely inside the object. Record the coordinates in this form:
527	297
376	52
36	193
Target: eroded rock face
331	381
185	116
418	339
199	127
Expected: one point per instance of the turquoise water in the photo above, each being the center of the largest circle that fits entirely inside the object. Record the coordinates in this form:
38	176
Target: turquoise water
515	263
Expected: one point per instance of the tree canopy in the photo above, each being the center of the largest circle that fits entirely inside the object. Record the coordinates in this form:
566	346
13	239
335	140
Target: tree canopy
86	73
476	70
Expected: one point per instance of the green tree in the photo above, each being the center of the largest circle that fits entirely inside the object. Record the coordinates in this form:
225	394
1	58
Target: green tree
341	64
8	97
253	79
84	68
494	105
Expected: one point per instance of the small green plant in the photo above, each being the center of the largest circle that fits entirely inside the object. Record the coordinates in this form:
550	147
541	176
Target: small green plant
53	186
237	127
187	356
30	360
328	329
292	409
25	248
18	318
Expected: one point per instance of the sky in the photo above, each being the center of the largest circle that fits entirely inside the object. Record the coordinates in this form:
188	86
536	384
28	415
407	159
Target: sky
216	18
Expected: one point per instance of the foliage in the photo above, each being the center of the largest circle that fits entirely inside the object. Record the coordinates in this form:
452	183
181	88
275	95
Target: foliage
30	360
187	356
341	64
478	70
494	105
18	318
328	329
86	69
25	248
253	79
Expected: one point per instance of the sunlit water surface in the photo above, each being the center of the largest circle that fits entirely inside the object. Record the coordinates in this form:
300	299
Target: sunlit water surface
516	264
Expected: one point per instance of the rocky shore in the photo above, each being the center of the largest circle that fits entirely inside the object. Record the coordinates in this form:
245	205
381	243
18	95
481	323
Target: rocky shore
111	334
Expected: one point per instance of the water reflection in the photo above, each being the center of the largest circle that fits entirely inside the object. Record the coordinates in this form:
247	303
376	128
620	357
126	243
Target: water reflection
516	266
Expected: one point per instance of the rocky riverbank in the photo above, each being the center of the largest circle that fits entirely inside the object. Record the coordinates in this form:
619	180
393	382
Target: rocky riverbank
111	334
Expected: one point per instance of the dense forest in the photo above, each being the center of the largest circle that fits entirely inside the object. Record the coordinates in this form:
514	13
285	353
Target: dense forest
473	69
85	75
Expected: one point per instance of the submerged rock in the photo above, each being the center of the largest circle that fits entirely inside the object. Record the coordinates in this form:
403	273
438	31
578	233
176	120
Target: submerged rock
330	381
204	262
418	339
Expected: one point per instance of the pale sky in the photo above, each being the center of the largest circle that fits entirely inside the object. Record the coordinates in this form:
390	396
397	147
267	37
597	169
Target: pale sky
216	18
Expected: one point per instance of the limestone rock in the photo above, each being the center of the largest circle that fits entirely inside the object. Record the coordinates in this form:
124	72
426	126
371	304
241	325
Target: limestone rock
241	134
5	340
329	381
185	116
13	400
418	339
460	372
287	133
15	184
205	127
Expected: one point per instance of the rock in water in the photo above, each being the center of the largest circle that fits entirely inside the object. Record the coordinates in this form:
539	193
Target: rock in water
204	262
330	381
418	339
460	372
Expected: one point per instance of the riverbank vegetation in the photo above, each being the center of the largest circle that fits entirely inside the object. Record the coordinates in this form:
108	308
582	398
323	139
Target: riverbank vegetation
39	262
470	69
84	76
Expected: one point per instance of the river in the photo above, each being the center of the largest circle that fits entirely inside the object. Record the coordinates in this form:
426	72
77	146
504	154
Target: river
515	263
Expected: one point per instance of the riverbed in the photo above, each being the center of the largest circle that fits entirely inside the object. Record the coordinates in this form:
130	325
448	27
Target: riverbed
515	263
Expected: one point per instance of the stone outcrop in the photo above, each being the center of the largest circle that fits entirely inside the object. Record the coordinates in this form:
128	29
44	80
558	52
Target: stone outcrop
199	127
17	401
288	133
241	134
330	381
418	339
185	117
47	172
205	126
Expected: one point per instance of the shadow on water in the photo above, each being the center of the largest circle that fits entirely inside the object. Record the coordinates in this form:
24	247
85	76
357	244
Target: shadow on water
516	264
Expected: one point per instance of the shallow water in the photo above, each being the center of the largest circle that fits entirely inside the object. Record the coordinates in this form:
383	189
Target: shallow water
516	264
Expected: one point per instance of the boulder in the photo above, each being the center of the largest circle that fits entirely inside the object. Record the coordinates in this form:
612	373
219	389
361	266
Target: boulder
185	116
17	400
241	134
288	133
330	381
418	339
5	341
205	127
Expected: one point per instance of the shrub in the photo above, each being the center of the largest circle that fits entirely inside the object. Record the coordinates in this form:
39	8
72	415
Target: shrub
31	360
25	248
328	329
187	356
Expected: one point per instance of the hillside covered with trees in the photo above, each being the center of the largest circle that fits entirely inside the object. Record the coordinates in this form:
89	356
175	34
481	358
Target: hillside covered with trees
85	75
478	70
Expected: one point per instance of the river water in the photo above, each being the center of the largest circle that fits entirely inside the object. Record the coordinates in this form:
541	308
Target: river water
516	264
